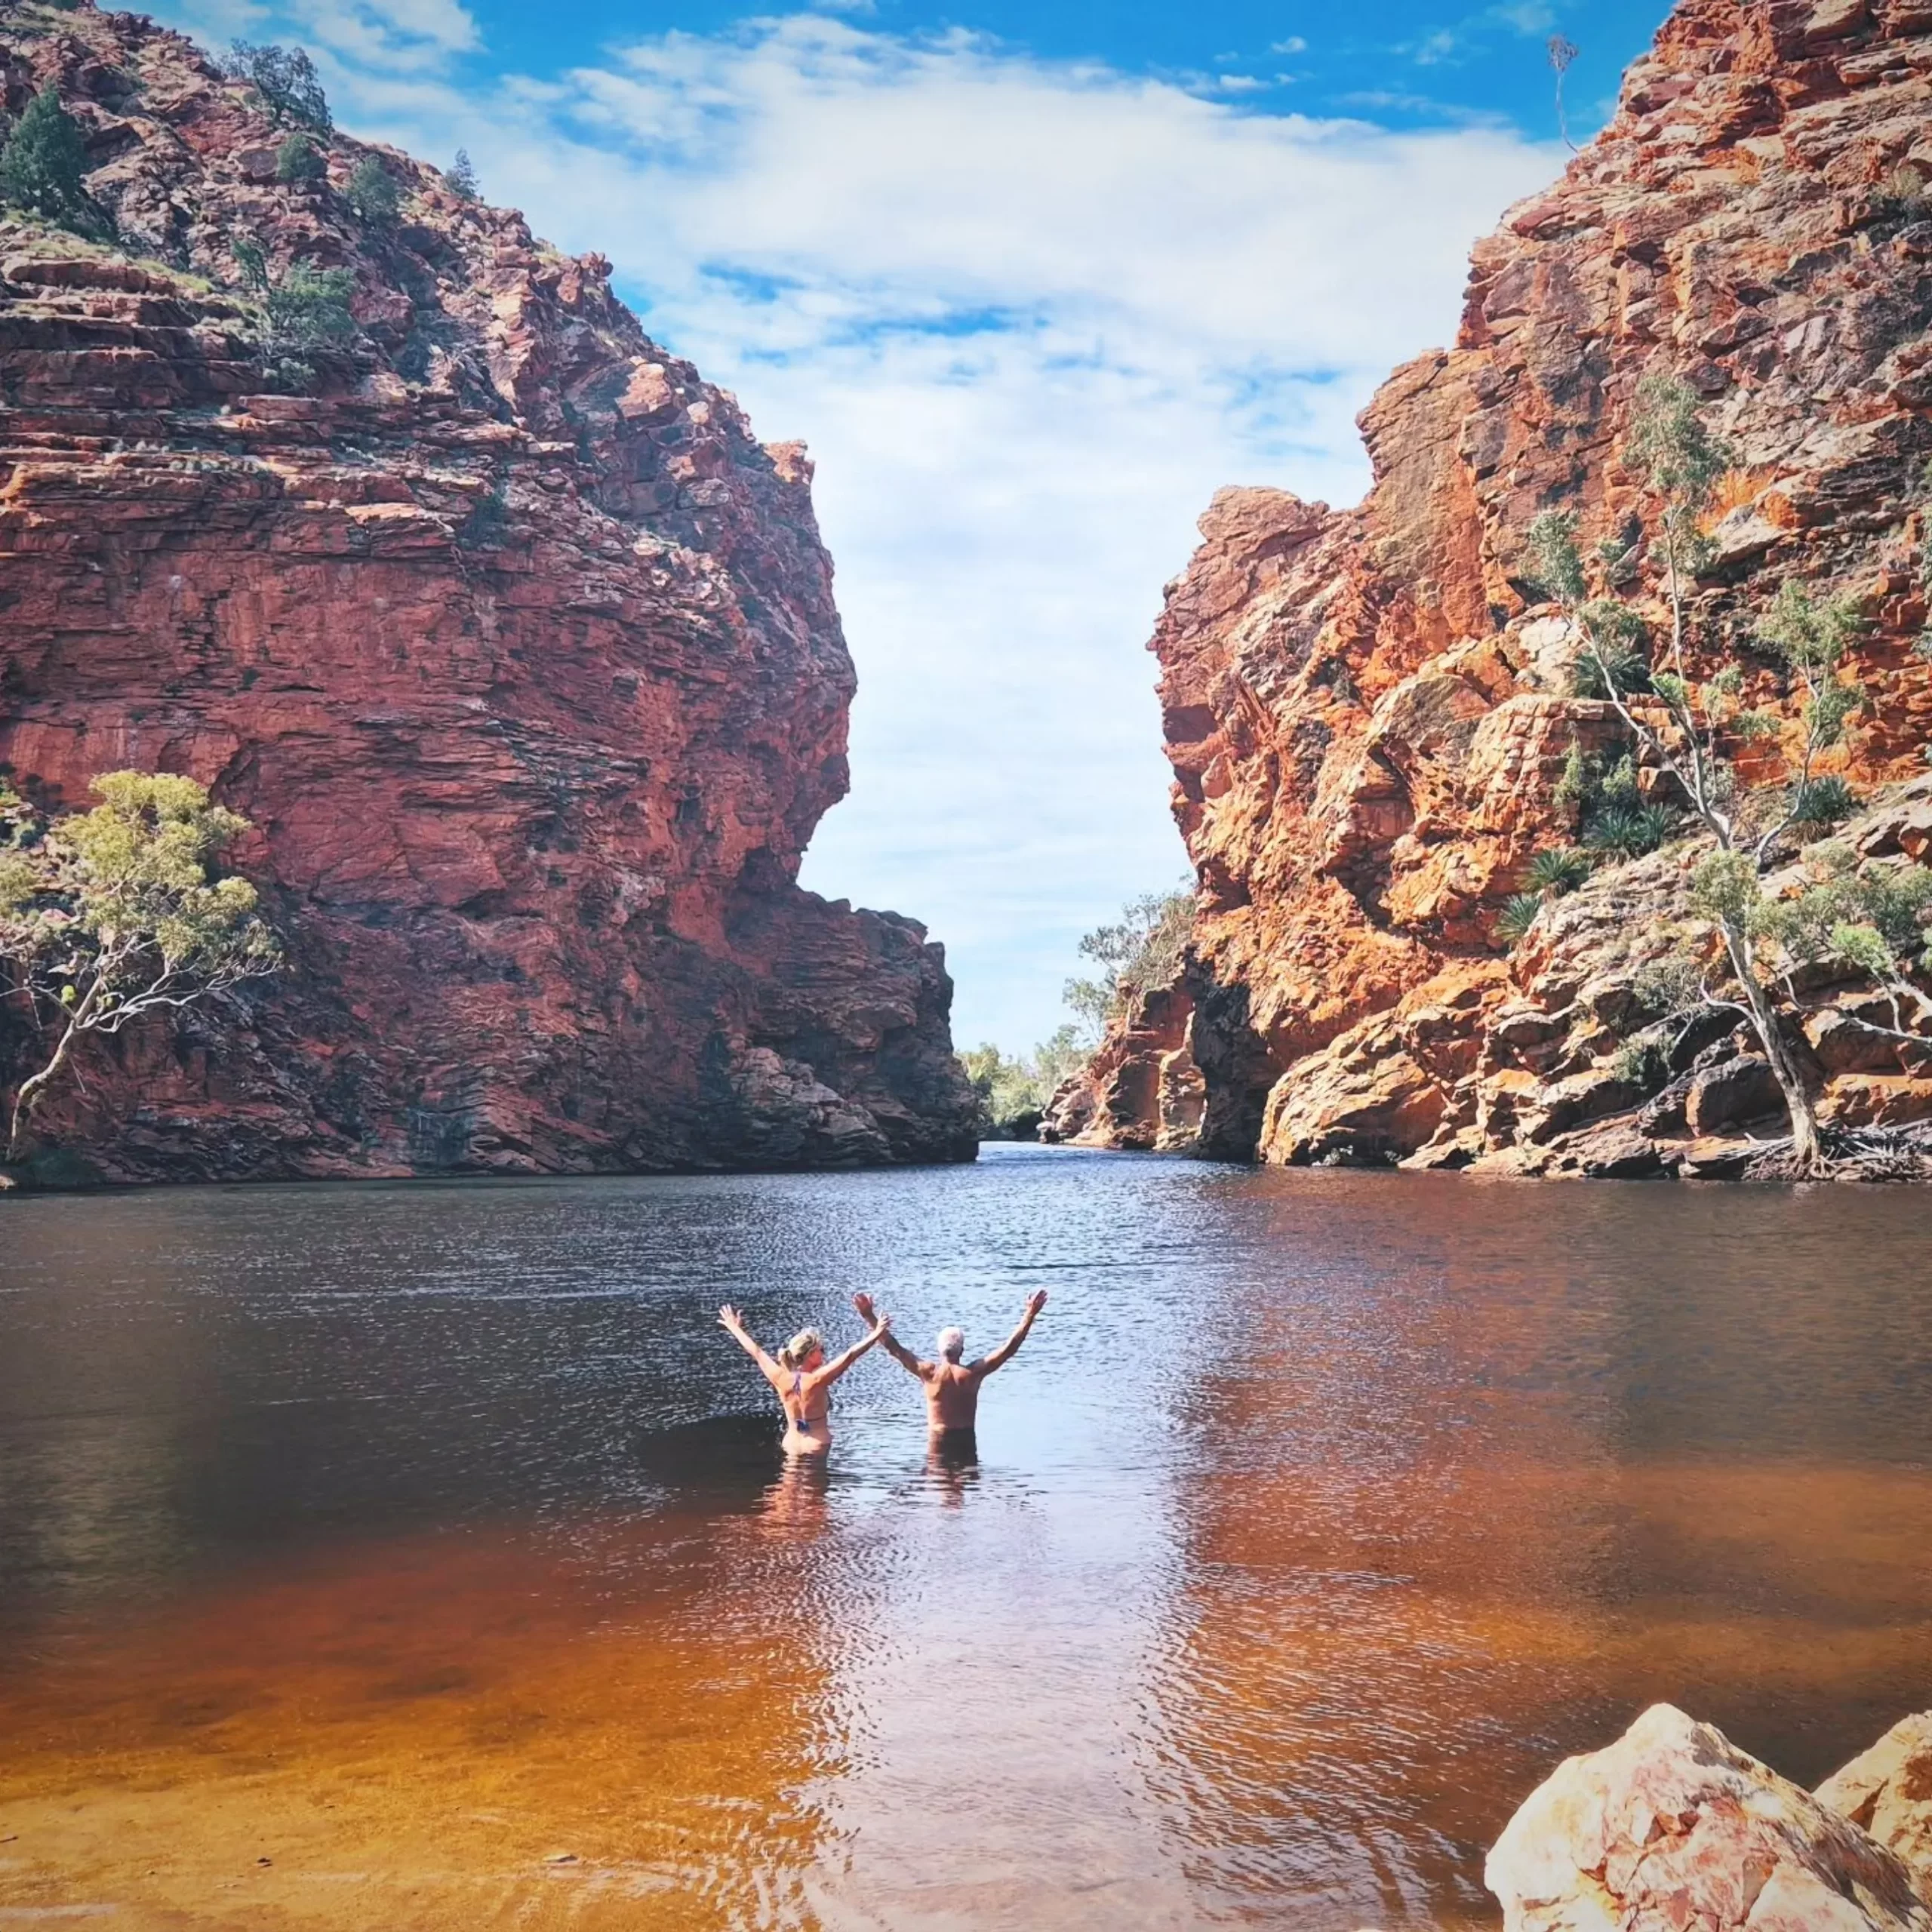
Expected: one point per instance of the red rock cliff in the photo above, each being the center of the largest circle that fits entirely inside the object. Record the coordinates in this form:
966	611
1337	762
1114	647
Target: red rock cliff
517	647
1368	719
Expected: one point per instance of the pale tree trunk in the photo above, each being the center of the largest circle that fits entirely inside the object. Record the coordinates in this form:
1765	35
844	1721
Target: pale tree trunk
36	1084
1806	1155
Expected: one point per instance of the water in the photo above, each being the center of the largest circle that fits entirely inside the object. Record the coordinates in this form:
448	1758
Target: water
421	1556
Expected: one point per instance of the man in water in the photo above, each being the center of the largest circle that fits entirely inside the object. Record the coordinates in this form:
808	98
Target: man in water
952	1385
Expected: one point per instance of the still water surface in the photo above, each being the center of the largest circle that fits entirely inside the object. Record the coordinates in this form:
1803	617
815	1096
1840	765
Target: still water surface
421	1556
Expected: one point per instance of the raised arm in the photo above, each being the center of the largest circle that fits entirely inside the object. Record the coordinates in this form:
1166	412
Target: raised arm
829	1372
732	1324
890	1342
1009	1347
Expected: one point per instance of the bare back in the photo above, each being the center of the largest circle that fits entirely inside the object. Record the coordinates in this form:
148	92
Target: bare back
808	1413
952	1392
952	1386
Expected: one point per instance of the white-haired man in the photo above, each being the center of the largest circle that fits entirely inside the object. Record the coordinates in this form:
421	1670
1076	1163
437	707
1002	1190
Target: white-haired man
952	1384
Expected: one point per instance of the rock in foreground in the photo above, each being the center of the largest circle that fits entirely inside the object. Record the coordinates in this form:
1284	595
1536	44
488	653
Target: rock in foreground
1673	1828
516	644
1888	1791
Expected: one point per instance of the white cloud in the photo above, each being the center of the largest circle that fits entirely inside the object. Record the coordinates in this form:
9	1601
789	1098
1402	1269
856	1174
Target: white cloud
1028	316
411	34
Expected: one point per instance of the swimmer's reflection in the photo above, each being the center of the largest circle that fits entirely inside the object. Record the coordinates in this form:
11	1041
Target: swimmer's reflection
953	1463
798	1503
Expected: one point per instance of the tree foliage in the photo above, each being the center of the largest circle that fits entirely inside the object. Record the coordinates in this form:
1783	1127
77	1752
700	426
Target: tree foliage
286	79
302	311
111	913
372	193
298	159
43	168
1142	949
1870	917
308	308
1013	1094
462	177
1689	728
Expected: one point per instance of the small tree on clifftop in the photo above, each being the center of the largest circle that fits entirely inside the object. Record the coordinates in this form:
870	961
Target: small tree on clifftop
286	79
117	911
1692	729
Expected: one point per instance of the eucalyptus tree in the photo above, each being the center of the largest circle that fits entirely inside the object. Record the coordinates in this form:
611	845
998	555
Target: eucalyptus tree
123	910
1690	726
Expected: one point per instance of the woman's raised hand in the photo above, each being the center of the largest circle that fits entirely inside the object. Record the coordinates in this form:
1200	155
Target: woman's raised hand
728	1318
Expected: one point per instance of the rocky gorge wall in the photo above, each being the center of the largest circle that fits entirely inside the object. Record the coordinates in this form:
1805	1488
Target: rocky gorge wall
1368	711
516	646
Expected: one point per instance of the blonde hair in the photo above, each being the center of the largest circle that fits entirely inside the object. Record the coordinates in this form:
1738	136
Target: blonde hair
801	1345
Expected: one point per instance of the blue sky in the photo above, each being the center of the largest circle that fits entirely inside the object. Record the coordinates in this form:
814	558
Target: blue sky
1032	282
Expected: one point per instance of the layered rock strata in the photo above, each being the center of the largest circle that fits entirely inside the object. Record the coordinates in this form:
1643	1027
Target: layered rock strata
516	644
1368	712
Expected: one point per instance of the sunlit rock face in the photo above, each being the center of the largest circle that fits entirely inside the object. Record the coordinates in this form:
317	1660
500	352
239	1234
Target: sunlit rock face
1887	1790
516	644
1368	714
1672	1825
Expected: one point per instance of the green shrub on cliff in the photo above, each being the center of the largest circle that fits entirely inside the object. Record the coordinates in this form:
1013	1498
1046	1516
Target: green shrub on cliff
1518	914
372	193
43	168
298	159
110	914
1560	870
462	177
304	310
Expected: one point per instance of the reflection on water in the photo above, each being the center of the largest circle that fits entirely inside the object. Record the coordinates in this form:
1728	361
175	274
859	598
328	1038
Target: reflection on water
384	1556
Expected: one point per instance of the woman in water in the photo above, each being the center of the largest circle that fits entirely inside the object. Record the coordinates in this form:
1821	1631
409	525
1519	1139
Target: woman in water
802	1378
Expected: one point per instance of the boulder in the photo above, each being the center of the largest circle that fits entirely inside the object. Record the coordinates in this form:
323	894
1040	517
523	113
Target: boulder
1888	1792
1672	1829
1744	1088
1844	1044
1618	1152
1710	1158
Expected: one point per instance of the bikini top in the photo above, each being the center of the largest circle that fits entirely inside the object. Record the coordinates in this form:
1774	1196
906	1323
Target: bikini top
801	1421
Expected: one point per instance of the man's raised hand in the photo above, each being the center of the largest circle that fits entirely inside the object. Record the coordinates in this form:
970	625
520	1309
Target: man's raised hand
1036	1301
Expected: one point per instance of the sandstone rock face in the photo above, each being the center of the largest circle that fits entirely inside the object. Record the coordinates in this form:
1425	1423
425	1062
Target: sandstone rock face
1673	1826
1368	714
1888	1793
1142	1090
517	647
